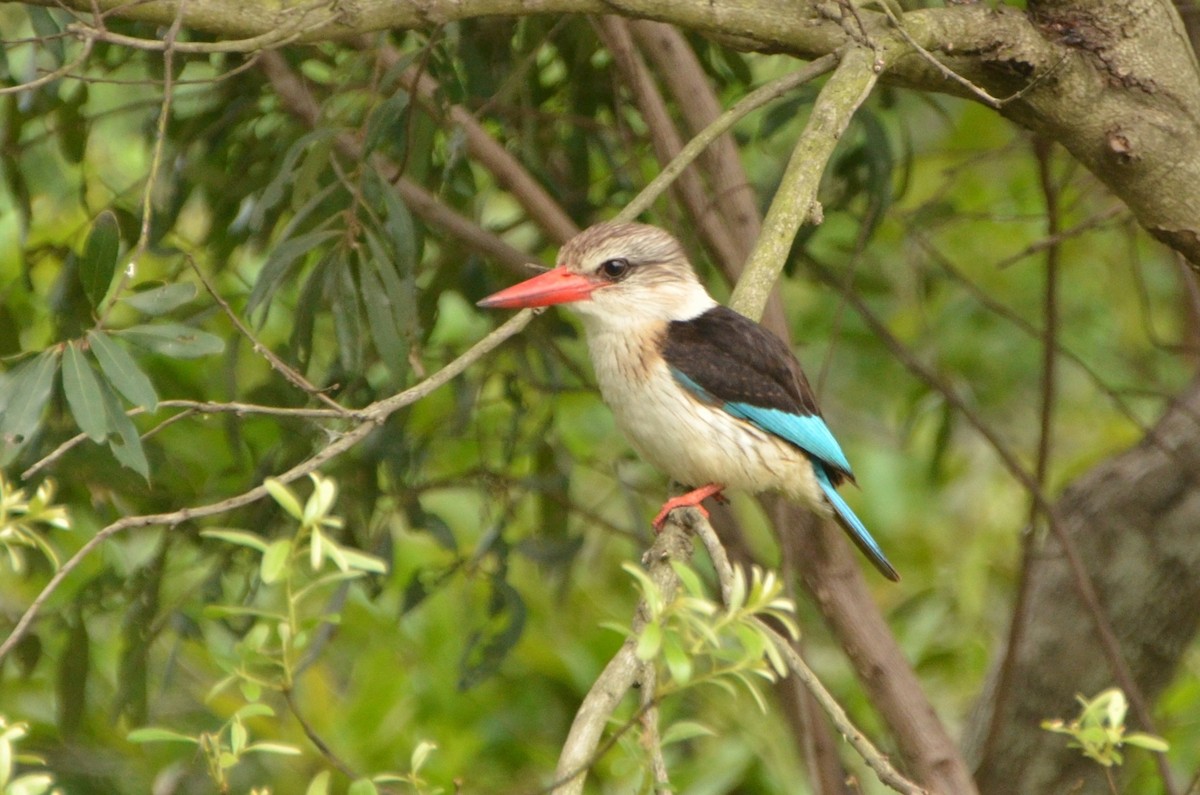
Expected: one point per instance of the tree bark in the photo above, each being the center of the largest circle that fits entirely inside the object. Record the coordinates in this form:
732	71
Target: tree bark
1136	522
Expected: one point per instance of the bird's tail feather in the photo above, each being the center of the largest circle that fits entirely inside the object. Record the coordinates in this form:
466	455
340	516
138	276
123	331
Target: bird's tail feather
854	526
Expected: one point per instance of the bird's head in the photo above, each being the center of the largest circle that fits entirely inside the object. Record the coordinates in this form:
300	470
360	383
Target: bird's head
617	275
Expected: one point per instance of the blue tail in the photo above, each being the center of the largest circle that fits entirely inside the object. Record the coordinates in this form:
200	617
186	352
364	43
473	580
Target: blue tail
856	529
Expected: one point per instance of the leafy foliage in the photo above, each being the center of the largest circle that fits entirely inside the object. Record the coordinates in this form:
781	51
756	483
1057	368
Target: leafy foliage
457	597
1099	731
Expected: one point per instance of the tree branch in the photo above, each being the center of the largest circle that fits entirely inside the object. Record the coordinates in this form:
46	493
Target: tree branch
796	199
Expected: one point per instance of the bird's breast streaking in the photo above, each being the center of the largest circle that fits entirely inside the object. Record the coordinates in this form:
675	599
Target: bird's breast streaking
706	395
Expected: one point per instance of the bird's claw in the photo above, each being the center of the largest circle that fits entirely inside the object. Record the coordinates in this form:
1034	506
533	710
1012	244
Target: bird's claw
670	505
690	500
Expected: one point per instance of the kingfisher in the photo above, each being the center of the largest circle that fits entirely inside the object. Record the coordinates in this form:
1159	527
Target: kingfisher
703	393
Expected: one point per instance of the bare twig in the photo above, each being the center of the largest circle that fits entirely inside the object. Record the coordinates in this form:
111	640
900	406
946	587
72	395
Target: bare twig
160	140
651	739
63	71
202	407
278	365
300	102
752	101
542	208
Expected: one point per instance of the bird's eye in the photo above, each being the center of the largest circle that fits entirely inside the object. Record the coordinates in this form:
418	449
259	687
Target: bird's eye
615	269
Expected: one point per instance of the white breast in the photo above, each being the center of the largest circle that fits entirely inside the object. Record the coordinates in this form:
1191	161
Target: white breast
694	443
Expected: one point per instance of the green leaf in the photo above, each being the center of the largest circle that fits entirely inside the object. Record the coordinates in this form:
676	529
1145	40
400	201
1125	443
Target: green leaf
275	560
73	668
99	260
281	749
685	730
284	496
382	320
650	641
319	784
361	561
239	537
122	371
420	754
24	394
162	299
383	121
174	340
363	786
1147	741
126	443
678	661
254	711
83	394
285	254
155	734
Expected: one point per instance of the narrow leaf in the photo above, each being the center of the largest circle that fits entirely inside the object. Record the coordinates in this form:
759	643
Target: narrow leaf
126	443
83	394
159	300
122	371
273	748
175	340
283	495
239	537
650	641
24	394
685	730
275	560
363	786
99	260
382	321
319	784
154	734
284	256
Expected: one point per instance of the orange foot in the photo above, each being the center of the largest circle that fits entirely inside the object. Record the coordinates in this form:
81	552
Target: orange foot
692	498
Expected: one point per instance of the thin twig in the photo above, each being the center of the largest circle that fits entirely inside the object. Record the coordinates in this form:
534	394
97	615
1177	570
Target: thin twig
651	738
201	407
278	365
317	740
156	158
582	746
63	71
665	139
747	104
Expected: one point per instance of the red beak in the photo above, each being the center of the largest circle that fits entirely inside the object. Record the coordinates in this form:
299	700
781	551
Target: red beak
557	286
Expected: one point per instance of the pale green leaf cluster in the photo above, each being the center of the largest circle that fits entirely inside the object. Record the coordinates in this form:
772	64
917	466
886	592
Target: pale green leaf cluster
12	782
699	641
222	748
23	520
1099	731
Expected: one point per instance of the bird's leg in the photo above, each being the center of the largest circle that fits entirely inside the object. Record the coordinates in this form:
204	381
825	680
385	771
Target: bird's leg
693	498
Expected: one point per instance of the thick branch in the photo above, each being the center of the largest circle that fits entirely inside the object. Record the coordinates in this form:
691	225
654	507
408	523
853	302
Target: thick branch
1115	83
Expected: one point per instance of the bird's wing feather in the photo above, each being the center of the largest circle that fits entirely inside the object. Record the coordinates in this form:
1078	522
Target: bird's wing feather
728	360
